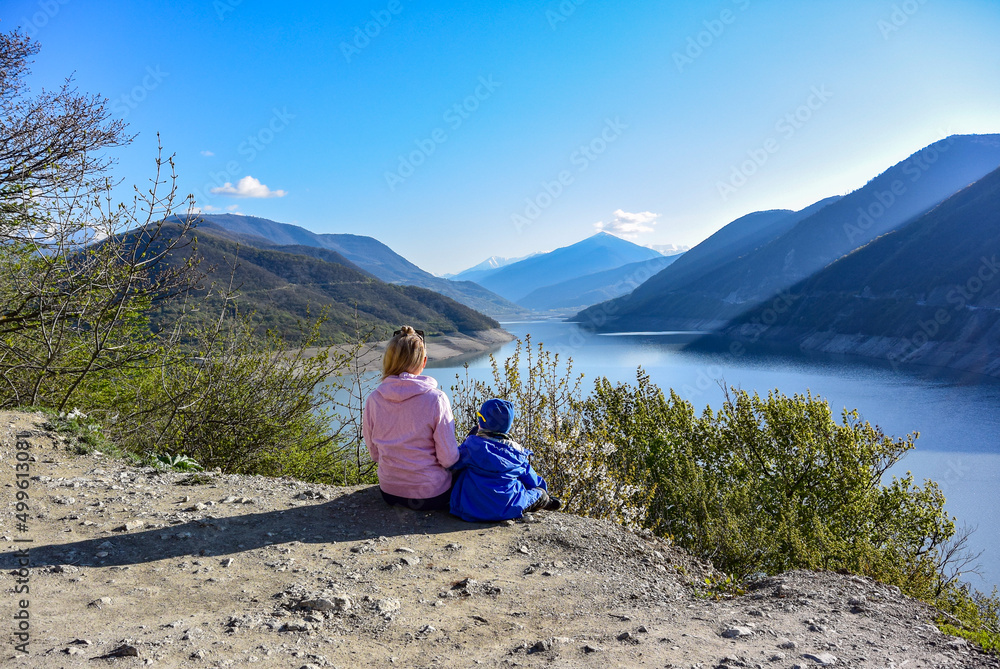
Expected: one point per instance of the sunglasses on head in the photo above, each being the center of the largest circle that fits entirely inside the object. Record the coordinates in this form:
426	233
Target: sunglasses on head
420	333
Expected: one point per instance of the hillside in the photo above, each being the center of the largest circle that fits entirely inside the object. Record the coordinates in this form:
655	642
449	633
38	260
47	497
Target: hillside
285	287
929	292
366	253
595	254
887	202
132	567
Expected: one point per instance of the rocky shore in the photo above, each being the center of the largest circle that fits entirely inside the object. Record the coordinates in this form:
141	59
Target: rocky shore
133	567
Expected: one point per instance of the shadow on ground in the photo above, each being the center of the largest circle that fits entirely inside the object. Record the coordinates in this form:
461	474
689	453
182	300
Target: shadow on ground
354	516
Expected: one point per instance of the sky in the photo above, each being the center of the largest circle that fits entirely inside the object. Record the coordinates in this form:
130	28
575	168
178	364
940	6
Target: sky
453	131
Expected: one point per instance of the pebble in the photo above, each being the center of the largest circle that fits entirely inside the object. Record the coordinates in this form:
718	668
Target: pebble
735	632
387	606
125	650
823	659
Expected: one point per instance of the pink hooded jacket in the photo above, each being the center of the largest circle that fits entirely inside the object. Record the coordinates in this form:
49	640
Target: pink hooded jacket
410	432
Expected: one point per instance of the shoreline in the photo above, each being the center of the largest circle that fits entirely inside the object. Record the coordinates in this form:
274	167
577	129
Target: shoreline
440	347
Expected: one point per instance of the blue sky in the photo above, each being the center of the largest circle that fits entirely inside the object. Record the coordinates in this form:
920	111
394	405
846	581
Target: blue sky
452	131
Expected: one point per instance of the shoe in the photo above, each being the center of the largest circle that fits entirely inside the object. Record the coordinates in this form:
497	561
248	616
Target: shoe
541	503
553	504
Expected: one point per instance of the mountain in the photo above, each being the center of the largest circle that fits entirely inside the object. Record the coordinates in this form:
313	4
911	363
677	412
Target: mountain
708	300
365	253
928	292
594	254
669	249
597	287
285	288
484	268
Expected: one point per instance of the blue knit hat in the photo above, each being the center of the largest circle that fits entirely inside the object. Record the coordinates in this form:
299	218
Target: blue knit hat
496	416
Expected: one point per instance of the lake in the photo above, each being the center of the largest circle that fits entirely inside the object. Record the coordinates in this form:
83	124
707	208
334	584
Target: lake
957	415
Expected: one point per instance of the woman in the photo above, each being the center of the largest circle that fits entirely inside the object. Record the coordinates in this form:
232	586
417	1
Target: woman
409	428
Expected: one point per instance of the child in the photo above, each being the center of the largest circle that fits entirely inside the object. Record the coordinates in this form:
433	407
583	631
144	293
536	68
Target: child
494	480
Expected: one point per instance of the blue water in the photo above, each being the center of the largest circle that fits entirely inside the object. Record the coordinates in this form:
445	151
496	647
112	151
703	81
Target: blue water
957	415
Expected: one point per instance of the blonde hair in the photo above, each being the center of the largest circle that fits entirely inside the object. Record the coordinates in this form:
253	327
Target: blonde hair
405	353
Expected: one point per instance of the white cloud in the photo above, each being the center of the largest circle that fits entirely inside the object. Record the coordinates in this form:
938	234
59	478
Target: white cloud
628	225
247	187
233	208
207	154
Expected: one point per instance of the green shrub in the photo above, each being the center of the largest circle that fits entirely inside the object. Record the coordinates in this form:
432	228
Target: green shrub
761	486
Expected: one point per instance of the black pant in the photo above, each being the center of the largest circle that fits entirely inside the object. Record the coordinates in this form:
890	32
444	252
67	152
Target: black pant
440	503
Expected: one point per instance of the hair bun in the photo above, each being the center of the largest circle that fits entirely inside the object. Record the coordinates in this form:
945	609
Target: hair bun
406	331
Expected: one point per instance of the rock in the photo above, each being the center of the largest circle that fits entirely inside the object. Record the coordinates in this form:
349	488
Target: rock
786	644
80	642
823	659
228	562
784	591
130	526
197	507
541	646
341	602
404	549
321	604
453	547
592	649
777	657
100	603
387	606
410	560
73	651
735	632
124	650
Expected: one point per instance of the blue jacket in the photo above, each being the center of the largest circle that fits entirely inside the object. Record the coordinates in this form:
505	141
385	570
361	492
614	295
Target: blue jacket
494	479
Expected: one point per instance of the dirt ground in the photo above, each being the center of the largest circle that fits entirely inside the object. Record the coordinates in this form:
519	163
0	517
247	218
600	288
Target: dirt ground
112	565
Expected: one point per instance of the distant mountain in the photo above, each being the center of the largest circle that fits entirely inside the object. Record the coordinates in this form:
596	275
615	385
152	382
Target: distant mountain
708	300
366	253
484	268
669	249
928	292
597	287
285	288
594	254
